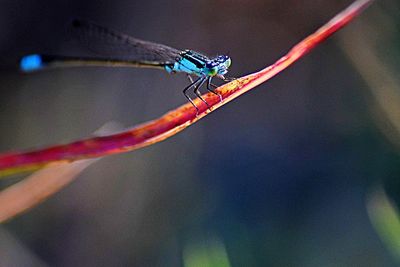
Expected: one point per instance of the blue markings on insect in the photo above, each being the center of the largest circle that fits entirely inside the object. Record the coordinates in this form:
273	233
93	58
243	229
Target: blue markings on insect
194	63
186	65
31	63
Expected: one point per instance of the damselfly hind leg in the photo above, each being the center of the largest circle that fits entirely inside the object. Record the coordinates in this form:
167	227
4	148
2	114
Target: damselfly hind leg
190	78
209	84
188	97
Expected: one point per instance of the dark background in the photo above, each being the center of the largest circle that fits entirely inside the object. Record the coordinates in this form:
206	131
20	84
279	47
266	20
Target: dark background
282	176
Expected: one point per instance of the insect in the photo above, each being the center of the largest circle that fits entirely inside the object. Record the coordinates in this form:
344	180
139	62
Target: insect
115	49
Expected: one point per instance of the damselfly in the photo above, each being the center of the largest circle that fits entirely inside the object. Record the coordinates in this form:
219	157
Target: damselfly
116	49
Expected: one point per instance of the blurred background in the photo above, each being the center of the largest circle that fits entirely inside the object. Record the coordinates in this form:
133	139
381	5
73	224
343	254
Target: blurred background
302	171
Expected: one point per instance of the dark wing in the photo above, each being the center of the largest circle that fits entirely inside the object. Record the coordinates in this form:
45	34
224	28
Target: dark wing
115	46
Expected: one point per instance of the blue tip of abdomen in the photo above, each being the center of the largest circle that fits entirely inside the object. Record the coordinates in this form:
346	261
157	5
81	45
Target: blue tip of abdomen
31	63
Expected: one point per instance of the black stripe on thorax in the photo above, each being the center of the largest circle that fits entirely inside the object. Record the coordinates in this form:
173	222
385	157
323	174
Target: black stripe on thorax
198	61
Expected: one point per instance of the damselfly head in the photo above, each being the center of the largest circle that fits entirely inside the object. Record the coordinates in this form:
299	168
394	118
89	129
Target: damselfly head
218	65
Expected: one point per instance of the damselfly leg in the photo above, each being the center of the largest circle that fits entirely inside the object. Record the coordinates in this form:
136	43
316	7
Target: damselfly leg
190	86
197	84
209	84
190	78
229	79
197	92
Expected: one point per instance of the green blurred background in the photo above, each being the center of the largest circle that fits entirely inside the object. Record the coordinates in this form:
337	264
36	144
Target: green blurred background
302	171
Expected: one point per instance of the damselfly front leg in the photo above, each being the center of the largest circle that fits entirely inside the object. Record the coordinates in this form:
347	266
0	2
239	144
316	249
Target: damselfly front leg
228	79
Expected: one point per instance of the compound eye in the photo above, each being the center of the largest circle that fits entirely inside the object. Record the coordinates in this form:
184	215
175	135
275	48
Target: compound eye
228	62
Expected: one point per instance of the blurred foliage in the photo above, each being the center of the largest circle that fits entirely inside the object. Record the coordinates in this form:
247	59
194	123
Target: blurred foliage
210	253
386	220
